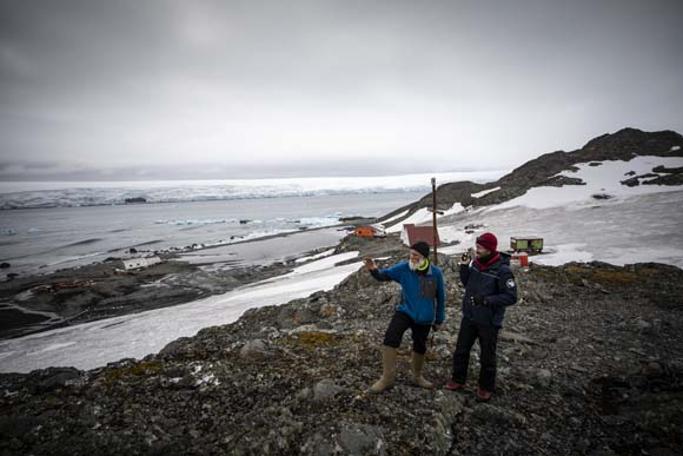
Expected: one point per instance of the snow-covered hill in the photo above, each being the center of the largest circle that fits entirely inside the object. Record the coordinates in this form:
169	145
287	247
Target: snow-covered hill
624	208
603	180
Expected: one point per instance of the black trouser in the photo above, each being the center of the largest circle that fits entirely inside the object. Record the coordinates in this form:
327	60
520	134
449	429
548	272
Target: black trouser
488	339
398	325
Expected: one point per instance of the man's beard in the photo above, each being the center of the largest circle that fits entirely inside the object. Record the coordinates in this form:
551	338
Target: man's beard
484	257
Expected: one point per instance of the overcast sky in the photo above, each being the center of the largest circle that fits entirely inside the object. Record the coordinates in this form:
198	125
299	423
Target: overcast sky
193	89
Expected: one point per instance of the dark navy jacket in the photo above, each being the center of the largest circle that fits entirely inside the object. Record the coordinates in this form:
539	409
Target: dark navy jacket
423	295
496	284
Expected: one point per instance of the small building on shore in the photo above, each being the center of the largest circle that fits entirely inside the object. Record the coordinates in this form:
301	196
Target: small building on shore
531	244
413	233
369	231
140	263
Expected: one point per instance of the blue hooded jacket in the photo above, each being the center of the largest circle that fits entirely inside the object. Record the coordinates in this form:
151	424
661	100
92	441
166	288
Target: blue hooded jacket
496	285
423	295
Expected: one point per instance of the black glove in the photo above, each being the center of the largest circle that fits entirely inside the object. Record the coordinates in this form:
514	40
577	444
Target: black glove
479	300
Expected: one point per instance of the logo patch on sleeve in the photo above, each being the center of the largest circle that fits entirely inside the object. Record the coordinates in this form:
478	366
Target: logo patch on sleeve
510	283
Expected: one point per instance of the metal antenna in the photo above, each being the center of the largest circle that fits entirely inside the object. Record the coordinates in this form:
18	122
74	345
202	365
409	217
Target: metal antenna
434	231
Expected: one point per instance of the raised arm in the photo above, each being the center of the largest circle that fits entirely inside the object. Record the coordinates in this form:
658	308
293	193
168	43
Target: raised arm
464	273
465	261
386	274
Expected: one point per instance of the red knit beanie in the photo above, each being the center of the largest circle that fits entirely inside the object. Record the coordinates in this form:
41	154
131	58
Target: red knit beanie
488	241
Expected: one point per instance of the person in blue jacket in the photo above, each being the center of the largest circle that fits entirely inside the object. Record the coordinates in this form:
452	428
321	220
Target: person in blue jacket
421	309
489	289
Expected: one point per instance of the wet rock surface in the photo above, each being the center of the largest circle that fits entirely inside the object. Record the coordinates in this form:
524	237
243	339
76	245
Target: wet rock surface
590	362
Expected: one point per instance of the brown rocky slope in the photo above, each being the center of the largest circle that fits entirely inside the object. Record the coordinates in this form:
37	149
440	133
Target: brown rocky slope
590	362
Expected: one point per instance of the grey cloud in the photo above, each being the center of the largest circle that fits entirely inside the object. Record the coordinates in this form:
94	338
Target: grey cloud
297	87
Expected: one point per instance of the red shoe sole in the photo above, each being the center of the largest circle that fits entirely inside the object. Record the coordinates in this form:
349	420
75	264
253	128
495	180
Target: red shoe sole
482	398
454	387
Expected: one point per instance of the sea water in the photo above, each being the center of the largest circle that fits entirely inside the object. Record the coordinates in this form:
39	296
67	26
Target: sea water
61	225
42	240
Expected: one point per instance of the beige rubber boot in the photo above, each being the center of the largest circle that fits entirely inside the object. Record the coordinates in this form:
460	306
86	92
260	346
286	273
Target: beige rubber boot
418	362
388	370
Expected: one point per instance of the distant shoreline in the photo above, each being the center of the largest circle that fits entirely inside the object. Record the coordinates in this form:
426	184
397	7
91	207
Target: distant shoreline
137	287
149	203
48	194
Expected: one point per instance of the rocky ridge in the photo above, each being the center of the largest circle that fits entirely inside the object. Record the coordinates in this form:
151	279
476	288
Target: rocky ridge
625	144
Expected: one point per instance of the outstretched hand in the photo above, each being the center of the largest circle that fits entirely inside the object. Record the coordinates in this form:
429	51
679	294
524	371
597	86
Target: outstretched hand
467	257
370	264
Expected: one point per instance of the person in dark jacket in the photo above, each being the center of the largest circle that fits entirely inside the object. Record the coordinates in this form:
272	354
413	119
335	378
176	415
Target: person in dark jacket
422	307
489	289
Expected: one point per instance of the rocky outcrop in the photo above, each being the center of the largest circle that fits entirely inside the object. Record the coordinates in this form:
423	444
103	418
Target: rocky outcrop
135	200
590	362
660	175
631	142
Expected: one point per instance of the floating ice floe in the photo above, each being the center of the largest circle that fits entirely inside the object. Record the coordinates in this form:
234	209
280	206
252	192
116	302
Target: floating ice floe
194	222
